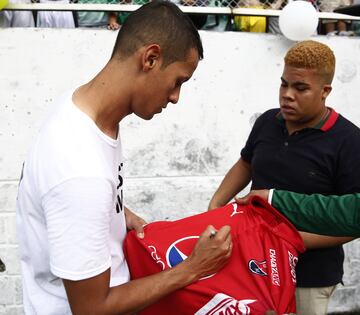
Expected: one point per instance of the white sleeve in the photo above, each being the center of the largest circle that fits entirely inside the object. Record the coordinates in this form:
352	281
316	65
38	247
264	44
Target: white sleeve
78	213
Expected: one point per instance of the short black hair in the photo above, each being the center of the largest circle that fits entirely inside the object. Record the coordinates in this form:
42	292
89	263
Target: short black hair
158	22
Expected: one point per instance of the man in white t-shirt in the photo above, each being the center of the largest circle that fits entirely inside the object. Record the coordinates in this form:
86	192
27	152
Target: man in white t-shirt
71	217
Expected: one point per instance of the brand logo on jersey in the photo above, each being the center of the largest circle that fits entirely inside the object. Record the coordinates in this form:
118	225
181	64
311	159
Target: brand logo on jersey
258	267
235	208
275	278
222	304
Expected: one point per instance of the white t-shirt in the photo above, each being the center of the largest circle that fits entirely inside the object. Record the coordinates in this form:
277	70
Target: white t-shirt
70	216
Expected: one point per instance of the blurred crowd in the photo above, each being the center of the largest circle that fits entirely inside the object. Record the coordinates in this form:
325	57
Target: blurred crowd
114	20
271	25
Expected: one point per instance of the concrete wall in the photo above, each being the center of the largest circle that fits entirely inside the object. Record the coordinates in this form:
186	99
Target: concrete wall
175	161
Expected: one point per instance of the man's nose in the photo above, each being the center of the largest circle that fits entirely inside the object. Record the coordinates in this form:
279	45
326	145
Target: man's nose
287	93
174	96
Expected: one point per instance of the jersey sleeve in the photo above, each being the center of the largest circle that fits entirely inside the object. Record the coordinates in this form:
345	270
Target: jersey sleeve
327	215
77	214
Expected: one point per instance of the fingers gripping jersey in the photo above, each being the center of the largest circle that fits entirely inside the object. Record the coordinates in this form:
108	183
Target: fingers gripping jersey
260	275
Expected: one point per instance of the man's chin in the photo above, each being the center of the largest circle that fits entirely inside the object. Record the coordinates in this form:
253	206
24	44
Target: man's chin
290	116
146	117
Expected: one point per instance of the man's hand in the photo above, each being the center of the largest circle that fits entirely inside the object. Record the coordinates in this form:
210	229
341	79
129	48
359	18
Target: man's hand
94	295
263	193
211	252
112	22
134	222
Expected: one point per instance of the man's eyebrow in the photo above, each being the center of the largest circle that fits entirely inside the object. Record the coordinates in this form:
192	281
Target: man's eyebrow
296	82
301	83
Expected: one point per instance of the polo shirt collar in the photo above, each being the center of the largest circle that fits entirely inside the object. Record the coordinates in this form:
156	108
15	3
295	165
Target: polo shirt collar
325	124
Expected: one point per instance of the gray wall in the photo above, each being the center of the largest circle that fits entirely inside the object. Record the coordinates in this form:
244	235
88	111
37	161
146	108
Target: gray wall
175	161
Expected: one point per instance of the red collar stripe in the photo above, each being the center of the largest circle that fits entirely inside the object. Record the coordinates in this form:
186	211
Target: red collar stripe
330	122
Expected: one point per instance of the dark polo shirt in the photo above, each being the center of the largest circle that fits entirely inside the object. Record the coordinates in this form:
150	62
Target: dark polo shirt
324	159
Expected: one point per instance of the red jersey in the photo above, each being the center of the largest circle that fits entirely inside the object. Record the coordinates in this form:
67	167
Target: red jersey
260	275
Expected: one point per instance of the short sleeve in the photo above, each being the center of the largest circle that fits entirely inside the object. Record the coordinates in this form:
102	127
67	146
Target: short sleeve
248	150
78	213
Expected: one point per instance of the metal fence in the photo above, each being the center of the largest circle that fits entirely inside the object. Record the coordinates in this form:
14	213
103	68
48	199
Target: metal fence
256	4
320	5
229	8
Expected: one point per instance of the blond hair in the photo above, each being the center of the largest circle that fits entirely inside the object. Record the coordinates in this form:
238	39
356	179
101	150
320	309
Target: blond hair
310	54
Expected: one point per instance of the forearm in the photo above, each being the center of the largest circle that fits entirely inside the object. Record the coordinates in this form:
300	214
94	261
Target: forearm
313	241
326	215
112	17
93	295
234	181
138	294
127	298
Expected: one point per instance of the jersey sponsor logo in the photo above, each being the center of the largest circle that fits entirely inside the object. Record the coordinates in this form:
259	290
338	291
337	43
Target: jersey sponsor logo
258	267
292	262
180	250
222	304
275	278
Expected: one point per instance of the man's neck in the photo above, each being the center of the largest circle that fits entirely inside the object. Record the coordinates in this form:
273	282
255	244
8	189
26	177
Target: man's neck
105	99
293	126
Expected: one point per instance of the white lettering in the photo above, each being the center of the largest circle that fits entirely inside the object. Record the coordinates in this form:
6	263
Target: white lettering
222	304
292	262
155	256
275	278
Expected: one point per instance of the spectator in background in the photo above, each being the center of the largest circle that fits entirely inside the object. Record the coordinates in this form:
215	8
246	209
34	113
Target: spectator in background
98	19
118	19
17	18
273	22
335	27
55	19
199	20
255	24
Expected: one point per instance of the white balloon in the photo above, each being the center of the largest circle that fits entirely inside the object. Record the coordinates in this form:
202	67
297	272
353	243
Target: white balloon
298	20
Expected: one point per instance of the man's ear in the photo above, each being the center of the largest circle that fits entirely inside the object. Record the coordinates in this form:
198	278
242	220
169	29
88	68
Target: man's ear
326	91
150	57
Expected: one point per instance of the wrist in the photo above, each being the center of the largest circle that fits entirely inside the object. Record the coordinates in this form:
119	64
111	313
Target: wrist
187	272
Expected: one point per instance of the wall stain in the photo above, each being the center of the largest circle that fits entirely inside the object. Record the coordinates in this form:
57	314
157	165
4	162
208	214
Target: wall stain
197	158
147	198
346	71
